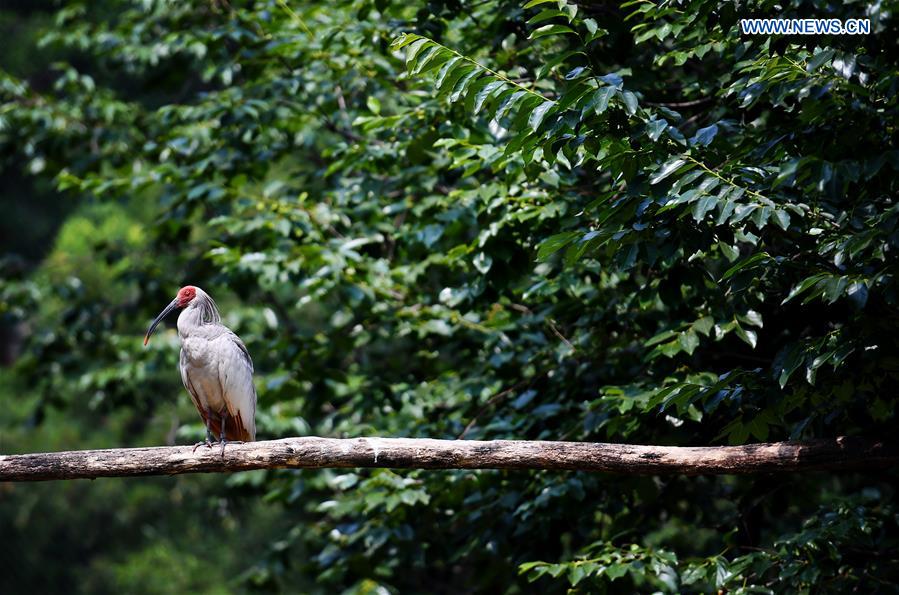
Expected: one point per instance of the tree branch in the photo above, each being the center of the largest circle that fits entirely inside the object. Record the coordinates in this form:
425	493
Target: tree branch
410	453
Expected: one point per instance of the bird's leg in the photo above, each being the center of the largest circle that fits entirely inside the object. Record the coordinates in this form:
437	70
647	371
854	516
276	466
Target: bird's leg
222	440
209	438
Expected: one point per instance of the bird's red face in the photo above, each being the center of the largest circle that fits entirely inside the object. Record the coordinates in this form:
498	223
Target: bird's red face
186	295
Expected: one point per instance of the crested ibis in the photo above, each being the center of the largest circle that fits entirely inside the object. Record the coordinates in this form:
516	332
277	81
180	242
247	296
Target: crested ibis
216	368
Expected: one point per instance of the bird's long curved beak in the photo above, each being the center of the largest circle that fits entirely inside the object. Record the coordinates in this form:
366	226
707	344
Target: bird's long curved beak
158	319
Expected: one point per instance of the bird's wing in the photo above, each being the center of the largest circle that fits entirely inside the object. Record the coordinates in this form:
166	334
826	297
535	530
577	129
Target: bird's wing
211	423
236	376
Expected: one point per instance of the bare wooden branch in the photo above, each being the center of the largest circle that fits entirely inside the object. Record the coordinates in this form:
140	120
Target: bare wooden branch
410	453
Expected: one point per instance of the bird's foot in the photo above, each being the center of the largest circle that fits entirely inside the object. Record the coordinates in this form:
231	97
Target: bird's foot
207	443
223	442
210	439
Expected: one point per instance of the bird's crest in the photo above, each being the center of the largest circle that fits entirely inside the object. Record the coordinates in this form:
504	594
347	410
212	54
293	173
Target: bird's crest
209	312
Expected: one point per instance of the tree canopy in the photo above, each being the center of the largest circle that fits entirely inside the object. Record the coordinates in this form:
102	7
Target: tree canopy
590	221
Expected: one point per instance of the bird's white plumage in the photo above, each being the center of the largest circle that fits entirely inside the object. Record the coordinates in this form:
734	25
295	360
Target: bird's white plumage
217	370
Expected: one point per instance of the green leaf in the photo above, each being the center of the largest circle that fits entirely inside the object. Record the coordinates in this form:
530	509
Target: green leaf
705	136
758	427
446	69
703	206
509	102
599	101
483	262
462	85
545	15
792	360
731	253
539	113
749	337
554	243
667	169
576	574
804	286
819	59
663	336
404	40
575	72
613	80
748	262
573	95
834	287
760	216
547	30
594	32
413	49
752	317
431	58
781	218
655	128
858	294
485	93
630	102
704	325
615	571
688	341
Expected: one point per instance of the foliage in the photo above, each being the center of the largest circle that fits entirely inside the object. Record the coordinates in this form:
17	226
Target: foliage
543	220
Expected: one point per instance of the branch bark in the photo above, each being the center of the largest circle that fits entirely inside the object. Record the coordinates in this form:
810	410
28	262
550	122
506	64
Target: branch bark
841	454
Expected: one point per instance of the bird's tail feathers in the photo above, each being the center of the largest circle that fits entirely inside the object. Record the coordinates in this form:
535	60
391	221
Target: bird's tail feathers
235	429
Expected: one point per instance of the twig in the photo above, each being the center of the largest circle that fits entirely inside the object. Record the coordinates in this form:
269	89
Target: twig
555	330
690	103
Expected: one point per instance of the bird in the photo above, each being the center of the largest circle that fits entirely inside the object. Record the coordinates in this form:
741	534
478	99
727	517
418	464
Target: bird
216	368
